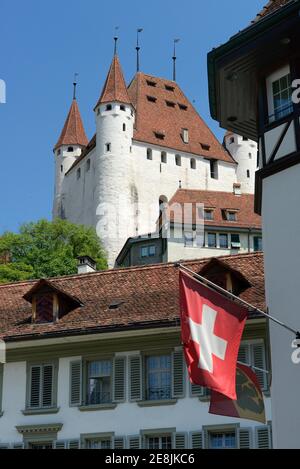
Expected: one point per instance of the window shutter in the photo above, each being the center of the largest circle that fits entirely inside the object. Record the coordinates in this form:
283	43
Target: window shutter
243	355
119	442
4	445
18	445
35	386
134	442
263	437
244	436
59	444
180	441
258	351
196	440
205	439
178	374
135	377
47	394
197	391
119	374
73	444
75	383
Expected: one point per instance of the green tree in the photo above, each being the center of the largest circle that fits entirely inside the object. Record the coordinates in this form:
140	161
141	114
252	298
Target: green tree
47	249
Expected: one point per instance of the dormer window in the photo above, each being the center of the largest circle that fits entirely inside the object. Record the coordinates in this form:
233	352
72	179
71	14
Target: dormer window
230	215
152	99
208	214
159	135
70	149
169	88
205	147
183	107
151	83
185	135
170	104
279	93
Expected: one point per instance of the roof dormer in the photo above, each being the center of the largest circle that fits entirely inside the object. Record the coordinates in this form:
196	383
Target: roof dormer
225	276
50	303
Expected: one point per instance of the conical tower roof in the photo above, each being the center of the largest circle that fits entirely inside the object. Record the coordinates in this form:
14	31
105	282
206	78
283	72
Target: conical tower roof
73	132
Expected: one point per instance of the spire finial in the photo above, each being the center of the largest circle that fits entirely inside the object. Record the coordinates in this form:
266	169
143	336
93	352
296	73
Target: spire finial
116	40
138	31
74	85
174	59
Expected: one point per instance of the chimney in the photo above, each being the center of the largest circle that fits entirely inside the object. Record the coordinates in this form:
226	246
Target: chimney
237	188
86	265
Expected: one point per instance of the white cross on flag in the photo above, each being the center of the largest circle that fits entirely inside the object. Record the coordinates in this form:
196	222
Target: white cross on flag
211	331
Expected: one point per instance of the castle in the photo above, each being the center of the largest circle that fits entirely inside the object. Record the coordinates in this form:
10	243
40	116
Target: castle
149	142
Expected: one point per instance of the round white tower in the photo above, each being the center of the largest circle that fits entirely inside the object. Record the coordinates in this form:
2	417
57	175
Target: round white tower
244	152
115	196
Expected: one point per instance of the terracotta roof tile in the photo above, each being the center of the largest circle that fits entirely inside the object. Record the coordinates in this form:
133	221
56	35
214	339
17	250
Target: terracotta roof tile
73	132
219	201
156	114
149	297
270	7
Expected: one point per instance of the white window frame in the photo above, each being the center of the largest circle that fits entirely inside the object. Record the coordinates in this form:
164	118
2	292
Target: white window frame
250	360
88	377
275	76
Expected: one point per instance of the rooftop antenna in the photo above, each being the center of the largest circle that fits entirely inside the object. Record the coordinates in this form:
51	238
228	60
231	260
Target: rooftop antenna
116	40
174	59
74	85
138	31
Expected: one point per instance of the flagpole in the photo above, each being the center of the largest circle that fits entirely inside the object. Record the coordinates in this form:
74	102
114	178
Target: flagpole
208	283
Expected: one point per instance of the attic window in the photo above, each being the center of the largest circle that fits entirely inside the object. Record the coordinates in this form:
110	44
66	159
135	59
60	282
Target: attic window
70	149
151	83
185	135
44	308
230	215
205	147
170	88
122	107
159	135
108	107
183	107
170	104
151	99
115	304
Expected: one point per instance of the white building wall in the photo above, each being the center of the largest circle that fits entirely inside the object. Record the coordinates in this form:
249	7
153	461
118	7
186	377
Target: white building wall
245	154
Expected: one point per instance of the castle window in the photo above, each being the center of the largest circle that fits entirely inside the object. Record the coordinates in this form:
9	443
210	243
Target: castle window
124	127
250	156
183	107
163	157
61	168
88	165
70	149
78	174
58	152
245	139
169	88
151	83
122	107
108	107
193	163
248	173
212	240
235	241
223	240
178	160
185	135
149	154
152	99
205	147
230	216
170	104
231	140
159	135
213	169
108	147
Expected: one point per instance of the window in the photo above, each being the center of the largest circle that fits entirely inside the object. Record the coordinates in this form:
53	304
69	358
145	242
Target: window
253	353
46	445
122	107
208	214
158	377
230	216
108	107
223	240
250	156
169	88
224	440
279	90
193	163
235	241
159	442
163	157
97	443
61	168
213	169
248	173
159	135
88	165
170	104
185	135
70	149
41	385
58	152
189	239
151	83
245	139
148	251
257	243
98	382
231	140
149	154
212	240
151	99
205	147
108	147
78	174
178	160
183	107
152	251
124	127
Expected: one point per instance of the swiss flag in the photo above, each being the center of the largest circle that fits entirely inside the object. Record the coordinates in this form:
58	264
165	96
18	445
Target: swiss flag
211	331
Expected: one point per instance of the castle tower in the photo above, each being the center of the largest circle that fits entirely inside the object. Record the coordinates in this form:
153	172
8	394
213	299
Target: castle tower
68	148
244	151
115	194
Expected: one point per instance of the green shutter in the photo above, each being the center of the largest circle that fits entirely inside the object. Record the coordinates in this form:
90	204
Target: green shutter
196	439
244	435
180	440
263	437
258	353
205	439
135	377
243	356
47	385
134	442
75	383
119	373
197	391
119	442
35	386
178	374
59	444
73	444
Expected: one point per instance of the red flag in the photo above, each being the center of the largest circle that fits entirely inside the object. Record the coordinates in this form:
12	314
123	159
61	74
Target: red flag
250	402
211	331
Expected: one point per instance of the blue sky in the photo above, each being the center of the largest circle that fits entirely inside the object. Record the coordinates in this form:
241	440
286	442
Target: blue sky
42	44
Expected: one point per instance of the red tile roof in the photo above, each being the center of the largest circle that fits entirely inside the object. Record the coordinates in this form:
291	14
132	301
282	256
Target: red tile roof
162	108
73	132
219	201
114	89
270	7
148	297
